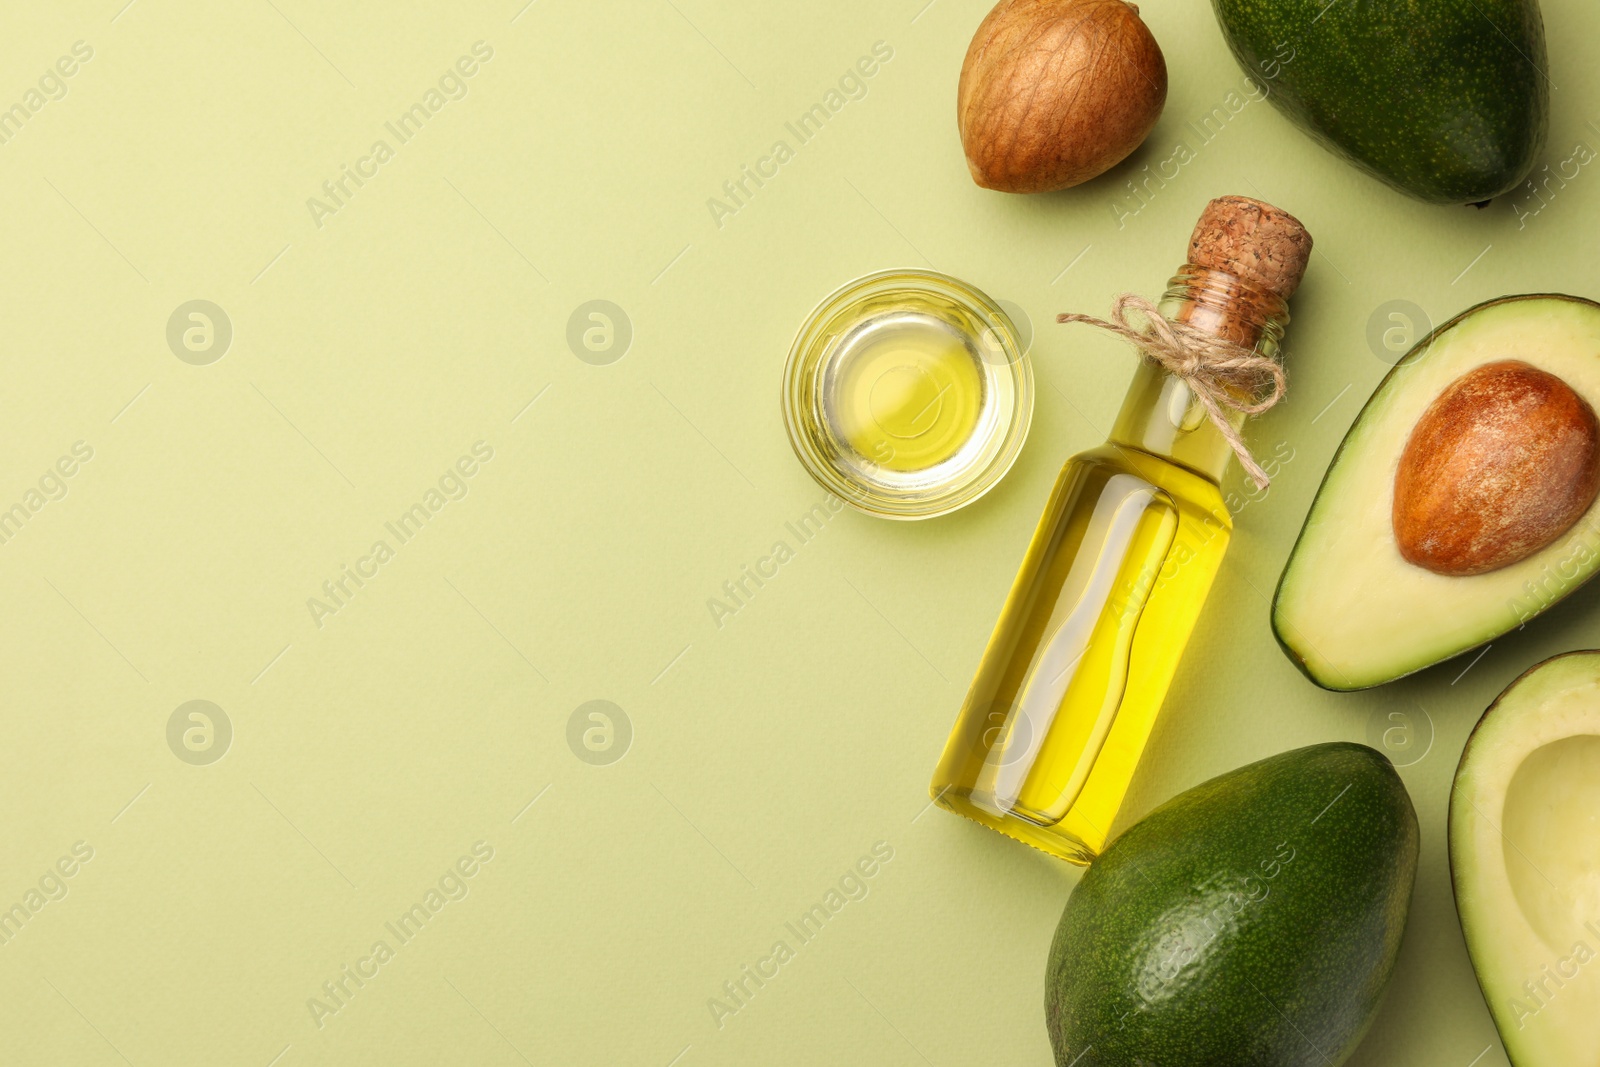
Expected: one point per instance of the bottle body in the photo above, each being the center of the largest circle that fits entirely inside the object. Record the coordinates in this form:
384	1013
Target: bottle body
1110	589
1078	665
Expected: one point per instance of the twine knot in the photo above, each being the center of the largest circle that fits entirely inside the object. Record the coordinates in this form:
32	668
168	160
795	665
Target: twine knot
1221	374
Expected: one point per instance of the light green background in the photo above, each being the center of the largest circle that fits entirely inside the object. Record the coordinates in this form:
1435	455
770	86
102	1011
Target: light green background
768	755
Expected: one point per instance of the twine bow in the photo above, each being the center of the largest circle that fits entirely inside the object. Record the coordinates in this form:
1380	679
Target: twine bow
1220	373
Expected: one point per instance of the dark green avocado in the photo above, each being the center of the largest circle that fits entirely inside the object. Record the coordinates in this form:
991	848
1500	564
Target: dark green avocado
1253	920
1446	100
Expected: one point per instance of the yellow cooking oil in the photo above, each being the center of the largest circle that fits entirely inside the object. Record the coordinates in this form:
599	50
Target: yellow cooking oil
1077	668
1079	663
908	393
905	390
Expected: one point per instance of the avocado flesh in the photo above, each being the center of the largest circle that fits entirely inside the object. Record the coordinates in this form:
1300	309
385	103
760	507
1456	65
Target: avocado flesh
1254	919
1525	860
1349	610
1447	101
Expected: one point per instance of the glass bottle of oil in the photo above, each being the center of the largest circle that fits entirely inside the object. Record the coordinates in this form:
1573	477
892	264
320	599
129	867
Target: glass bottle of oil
1113	581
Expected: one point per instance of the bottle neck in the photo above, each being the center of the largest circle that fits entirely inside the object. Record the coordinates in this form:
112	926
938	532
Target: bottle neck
1161	415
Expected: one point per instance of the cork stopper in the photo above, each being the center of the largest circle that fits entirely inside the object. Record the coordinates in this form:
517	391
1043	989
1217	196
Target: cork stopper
1254	241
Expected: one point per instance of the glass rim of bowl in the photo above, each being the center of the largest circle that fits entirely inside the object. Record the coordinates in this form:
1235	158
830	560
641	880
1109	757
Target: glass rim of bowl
1010	368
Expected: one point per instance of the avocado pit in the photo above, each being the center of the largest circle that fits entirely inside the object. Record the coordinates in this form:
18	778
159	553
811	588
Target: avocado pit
1501	464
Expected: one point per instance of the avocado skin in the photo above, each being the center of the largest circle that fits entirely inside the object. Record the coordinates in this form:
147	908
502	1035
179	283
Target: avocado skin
1192	941
1446	100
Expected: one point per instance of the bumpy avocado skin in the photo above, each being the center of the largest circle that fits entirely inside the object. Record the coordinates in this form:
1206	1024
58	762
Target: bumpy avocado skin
1446	100
1254	919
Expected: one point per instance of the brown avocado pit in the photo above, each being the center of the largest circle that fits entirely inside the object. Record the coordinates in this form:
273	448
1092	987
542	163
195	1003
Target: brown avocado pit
1501	464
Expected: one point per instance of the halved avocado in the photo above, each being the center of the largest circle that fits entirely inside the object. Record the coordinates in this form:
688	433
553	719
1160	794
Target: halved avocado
1350	610
1525	860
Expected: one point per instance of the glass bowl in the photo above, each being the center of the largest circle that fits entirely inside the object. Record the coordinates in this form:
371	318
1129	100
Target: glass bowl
908	394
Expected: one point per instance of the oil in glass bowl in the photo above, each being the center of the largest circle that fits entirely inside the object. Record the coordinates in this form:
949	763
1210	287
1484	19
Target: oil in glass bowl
908	393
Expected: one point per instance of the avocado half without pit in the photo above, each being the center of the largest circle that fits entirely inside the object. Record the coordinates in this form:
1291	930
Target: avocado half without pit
1525	860
1462	501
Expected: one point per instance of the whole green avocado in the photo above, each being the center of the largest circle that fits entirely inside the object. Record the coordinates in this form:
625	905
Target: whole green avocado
1446	100
1253	920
